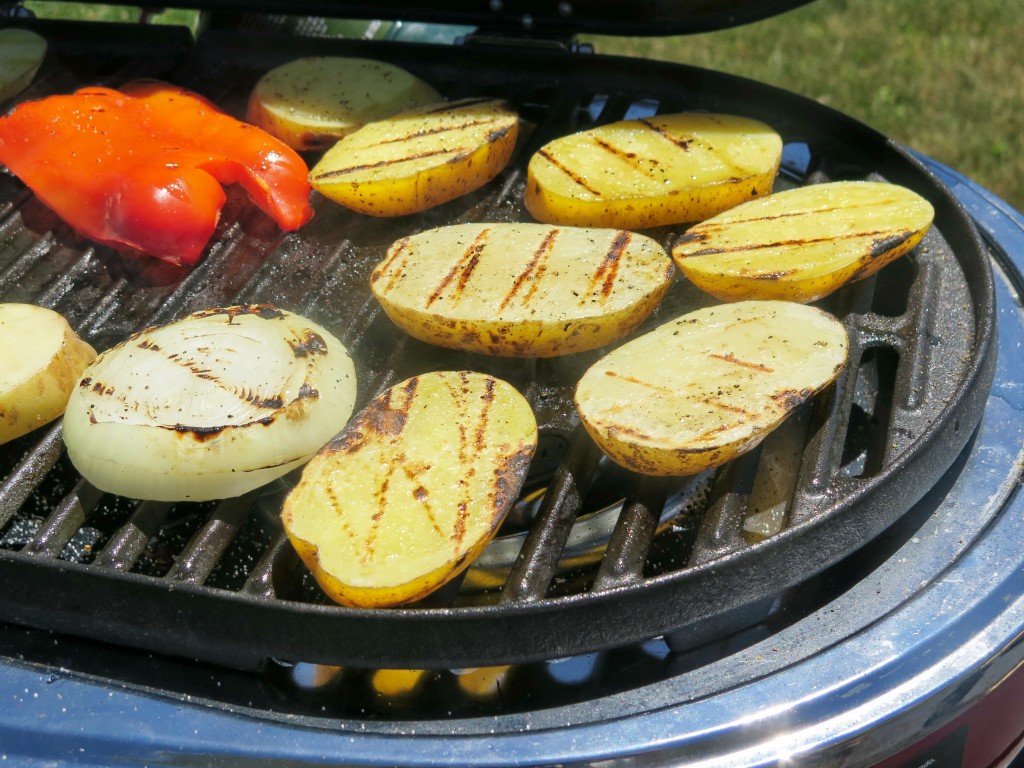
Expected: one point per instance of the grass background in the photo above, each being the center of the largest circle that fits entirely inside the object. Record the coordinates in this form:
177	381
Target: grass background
943	76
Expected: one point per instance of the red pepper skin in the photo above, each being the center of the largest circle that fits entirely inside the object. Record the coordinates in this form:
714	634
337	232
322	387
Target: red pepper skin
143	167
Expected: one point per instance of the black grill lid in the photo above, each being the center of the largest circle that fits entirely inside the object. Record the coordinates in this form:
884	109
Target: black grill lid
558	17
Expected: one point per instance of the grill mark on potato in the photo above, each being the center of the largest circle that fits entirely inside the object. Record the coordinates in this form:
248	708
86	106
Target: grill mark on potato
729	357
534	271
451	128
705	231
632	159
721	405
609	267
576	178
884	245
463	268
422	495
457	151
462	103
685	144
639	382
780	244
391	267
367	551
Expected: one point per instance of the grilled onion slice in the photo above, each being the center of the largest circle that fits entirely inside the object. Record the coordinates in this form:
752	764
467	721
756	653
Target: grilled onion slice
413	489
42	359
210	406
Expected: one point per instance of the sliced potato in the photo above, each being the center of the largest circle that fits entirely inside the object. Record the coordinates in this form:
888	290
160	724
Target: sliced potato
667	169
804	243
702	389
521	290
21	53
419	159
312	102
413	489
42	360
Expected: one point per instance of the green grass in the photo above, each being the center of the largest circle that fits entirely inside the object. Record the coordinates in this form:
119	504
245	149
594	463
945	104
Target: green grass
943	76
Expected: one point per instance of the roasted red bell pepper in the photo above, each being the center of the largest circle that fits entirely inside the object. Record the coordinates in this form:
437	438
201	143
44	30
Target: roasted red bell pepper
143	166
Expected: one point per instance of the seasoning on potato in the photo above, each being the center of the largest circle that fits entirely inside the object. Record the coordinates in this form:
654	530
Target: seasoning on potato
419	159
667	169
521	290
310	103
210	406
805	243
706	387
42	360
413	489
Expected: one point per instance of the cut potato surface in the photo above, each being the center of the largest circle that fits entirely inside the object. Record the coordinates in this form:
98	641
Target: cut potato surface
805	243
667	169
21	53
702	389
521	290
210	406
414	488
419	159
42	361
312	102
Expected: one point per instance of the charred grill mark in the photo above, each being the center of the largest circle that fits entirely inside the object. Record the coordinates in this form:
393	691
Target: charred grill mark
790	399
453	128
884	245
148	344
534	270
640	164
390	419
609	268
262	311
576	178
463	268
639	382
731	358
780	244
312	343
461	104
422	495
395	161
199	434
307	392
391	265
776	275
717	404
367	551
682	143
714	432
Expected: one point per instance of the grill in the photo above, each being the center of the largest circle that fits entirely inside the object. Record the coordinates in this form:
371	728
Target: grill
598	576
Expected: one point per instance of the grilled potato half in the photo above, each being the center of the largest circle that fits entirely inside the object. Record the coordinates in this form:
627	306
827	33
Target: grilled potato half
667	169
413	489
706	387
805	243
312	102
521	290
419	159
42	360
